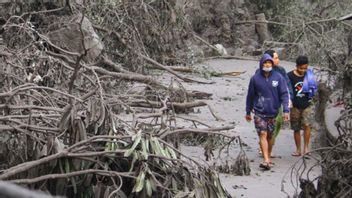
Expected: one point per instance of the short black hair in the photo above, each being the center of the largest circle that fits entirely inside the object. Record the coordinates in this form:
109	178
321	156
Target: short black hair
301	60
270	52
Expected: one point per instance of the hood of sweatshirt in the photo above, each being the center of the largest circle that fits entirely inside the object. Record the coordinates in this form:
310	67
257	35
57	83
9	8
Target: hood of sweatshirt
264	58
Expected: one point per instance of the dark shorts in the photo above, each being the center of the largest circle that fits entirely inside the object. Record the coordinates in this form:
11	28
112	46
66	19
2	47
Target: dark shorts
264	124
300	117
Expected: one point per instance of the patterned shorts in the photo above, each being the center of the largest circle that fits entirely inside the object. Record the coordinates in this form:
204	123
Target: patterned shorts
300	117
264	124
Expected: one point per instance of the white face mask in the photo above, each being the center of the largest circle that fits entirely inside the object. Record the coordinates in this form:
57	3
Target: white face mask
267	69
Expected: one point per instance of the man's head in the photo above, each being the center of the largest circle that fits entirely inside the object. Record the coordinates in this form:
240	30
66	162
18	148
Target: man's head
301	64
266	63
273	55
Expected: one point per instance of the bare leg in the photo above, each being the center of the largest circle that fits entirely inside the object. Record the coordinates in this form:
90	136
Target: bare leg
264	146
306	138
297	137
270	145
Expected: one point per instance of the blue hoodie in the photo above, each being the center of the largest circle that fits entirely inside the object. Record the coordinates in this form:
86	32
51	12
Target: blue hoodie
282	71
266	95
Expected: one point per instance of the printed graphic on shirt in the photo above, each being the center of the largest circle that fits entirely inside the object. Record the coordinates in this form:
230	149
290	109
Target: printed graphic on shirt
299	89
275	83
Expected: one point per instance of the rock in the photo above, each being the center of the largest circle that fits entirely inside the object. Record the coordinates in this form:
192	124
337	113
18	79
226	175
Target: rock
221	49
69	38
257	52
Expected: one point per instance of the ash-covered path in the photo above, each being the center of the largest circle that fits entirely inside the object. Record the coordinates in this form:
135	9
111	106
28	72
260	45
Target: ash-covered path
229	95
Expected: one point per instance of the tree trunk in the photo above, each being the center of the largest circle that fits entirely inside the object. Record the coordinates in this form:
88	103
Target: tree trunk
262	28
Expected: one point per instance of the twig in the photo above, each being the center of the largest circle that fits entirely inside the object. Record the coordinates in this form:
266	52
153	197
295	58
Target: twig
116	67
73	174
51	130
15	91
133	77
159	113
160	66
28	165
260	21
205	42
3	106
192	119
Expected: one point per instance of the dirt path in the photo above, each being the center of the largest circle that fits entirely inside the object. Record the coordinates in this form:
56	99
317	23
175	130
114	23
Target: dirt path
229	101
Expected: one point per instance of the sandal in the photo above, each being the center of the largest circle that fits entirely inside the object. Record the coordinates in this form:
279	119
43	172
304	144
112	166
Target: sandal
296	154
265	165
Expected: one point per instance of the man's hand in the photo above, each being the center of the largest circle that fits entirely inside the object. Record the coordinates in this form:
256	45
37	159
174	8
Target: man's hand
286	117
248	118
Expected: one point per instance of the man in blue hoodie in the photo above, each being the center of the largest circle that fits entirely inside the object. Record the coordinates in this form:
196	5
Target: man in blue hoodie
267	91
276	67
